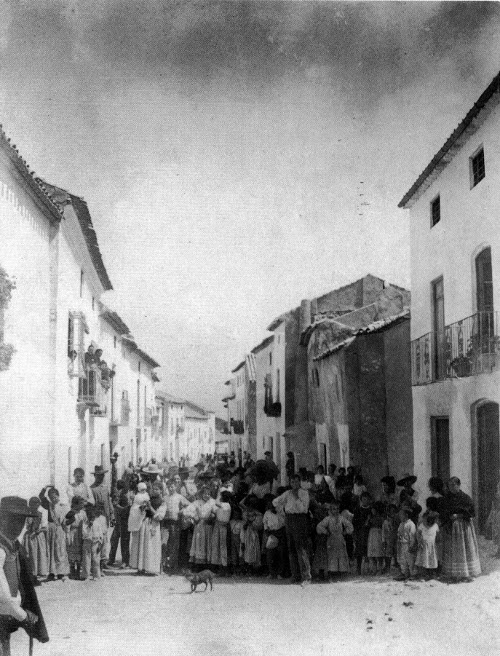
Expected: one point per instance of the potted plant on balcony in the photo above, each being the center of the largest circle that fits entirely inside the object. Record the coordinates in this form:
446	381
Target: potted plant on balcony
462	365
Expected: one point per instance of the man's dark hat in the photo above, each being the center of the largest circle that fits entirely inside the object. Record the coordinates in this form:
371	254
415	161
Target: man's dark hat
99	469
183	470
407	478
390	480
268	453
17	506
206	476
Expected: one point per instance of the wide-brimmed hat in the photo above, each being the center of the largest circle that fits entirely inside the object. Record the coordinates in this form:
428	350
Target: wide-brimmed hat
172	471
407	478
184	470
99	469
152	469
205	476
17	506
390	480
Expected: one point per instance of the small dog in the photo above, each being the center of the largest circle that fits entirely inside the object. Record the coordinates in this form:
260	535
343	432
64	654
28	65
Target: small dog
206	577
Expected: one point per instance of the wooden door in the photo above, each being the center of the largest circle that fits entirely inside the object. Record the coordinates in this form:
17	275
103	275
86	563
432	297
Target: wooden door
488	459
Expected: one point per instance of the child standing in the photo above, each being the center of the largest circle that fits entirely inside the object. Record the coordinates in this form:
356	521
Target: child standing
390	535
250	534
275	540
426	538
360	518
374	549
407	542
218	554
35	540
94	527
74	521
236	524
335	526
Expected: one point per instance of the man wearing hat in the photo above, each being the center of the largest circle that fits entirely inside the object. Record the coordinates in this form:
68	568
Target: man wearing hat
102	497
18	601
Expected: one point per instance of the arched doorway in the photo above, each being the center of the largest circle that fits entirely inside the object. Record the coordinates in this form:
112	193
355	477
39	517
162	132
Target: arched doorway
488	458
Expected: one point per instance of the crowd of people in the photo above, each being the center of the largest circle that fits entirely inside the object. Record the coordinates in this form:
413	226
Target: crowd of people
237	520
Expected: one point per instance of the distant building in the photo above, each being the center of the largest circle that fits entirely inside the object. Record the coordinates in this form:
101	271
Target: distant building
455	271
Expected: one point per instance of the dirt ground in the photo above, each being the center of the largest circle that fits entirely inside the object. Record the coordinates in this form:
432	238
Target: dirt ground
124	615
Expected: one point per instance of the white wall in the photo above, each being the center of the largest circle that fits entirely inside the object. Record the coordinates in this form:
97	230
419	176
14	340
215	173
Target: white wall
25	396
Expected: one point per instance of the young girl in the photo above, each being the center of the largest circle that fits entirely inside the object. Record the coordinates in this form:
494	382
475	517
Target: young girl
274	540
361	529
335	526
218	553
390	535
250	534
494	521
204	516
74	521
94	527
426	539
35	540
236	524
56	535
374	548
319	565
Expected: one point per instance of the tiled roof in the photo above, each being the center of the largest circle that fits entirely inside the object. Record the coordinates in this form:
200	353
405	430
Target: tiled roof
455	141
265	342
83	214
374	327
115	321
36	186
147	358
242	364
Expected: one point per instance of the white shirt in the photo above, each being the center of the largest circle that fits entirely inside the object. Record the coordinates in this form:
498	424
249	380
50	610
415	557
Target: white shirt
291	504
9	605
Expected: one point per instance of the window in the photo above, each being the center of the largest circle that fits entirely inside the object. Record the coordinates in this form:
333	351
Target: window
435	211
477	169
93	303
139	366
277	385
114	341
270	359
316	377
81	283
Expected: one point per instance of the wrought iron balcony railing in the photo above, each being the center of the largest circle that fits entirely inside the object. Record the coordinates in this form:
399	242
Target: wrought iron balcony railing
467	347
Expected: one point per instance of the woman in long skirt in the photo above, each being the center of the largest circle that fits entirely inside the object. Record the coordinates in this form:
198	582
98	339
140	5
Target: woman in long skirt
204	516
460	550
35	539
56	536
145	547
334	526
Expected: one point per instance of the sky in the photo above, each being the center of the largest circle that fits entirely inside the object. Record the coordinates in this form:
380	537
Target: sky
238	157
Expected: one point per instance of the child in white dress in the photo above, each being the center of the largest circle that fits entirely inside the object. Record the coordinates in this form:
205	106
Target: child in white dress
426	538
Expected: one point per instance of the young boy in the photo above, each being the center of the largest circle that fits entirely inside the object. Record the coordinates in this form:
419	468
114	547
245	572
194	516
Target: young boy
407	544
93	530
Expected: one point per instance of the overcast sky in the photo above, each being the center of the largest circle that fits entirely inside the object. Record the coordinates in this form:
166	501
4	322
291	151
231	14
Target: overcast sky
239	156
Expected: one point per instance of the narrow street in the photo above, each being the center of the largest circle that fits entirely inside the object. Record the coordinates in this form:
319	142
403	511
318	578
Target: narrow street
124	614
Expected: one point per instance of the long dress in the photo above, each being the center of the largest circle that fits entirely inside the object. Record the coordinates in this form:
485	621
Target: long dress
250	540
335	527
35	543
374	548
74	539
201	544
56	540
218	554
145	544
427	556
460	550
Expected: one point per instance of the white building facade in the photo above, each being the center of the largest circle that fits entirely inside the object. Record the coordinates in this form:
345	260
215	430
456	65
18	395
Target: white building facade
455	271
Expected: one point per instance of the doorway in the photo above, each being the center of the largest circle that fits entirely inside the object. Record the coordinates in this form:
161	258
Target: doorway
488	459
440	447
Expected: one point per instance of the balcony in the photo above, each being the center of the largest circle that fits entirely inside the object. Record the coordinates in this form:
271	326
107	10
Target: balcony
91	392
466	348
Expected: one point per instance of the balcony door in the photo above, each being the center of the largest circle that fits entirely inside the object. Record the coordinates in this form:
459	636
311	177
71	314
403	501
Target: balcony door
484	299
438	328
440	447
488	458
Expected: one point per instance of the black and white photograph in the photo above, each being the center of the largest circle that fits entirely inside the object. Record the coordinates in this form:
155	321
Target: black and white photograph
249	332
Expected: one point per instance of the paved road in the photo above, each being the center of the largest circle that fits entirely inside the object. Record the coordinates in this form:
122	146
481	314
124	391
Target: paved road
127	615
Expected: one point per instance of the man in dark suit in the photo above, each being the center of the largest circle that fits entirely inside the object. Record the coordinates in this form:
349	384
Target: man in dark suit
19	606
